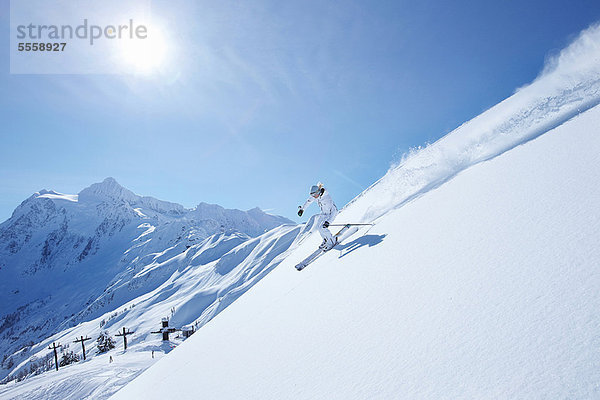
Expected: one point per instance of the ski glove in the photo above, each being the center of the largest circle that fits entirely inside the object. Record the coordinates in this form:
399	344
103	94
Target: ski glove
300	212
326	224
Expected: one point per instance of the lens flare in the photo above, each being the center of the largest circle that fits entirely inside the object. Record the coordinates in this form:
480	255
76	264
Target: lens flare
143	56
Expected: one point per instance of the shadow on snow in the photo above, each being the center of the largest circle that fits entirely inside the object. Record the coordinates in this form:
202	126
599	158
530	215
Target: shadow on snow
366	240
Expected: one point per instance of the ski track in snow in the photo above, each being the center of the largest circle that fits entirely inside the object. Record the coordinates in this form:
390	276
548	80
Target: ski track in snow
94	379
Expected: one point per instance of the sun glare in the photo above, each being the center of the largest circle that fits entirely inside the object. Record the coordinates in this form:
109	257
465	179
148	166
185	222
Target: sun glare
144	56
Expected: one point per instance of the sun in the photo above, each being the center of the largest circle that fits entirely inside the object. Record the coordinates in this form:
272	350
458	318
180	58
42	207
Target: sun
143	56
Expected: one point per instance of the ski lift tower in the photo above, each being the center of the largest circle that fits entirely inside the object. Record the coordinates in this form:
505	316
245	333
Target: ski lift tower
165	329
187	330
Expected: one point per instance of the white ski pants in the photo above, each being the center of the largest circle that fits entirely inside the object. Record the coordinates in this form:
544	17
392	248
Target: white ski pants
325	232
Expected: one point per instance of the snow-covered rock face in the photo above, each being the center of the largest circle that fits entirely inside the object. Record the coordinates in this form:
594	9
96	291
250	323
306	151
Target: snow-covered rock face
65	259
108	189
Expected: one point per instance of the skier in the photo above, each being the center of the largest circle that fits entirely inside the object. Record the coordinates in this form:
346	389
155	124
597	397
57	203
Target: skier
328	213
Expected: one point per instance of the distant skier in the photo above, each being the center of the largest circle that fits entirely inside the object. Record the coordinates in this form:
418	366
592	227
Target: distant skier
328	213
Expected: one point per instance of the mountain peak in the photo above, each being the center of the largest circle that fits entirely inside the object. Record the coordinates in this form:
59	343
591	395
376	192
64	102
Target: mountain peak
109	181
109	188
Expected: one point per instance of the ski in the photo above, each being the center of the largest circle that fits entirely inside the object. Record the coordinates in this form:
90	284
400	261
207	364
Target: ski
304	263
319	252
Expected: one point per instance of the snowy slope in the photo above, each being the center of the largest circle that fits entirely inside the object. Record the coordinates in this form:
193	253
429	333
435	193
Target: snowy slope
479	280
485	288
93	379
70	259
197	290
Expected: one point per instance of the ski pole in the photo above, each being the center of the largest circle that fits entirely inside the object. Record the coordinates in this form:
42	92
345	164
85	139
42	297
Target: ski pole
348	224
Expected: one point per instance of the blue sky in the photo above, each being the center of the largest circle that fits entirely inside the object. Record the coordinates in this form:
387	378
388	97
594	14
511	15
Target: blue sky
259	100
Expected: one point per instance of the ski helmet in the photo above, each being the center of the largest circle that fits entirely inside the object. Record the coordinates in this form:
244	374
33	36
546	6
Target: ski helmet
314	189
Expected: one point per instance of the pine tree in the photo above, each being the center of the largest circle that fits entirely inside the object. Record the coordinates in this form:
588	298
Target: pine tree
68	358
105	342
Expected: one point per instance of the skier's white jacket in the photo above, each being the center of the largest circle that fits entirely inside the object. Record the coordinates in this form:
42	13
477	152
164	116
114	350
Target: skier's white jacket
325	203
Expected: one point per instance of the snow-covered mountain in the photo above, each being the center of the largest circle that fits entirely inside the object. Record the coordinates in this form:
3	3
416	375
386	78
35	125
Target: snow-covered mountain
479	280
66	259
